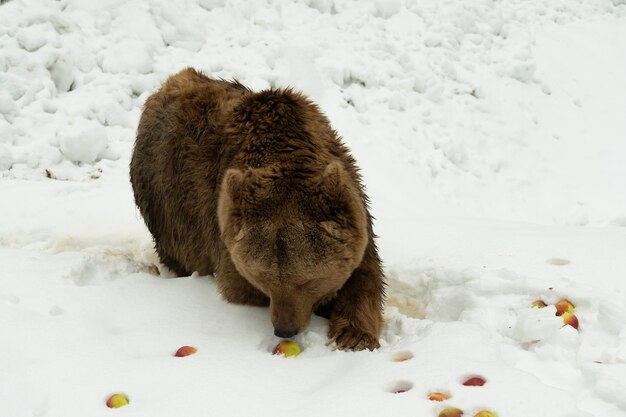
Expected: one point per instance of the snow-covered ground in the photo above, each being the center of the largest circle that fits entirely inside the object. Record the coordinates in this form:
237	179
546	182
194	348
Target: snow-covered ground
492	140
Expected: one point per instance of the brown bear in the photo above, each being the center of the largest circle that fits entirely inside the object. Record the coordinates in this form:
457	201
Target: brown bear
257	189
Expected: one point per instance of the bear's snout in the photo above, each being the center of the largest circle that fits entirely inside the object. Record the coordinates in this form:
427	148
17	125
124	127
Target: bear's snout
285	333
289	316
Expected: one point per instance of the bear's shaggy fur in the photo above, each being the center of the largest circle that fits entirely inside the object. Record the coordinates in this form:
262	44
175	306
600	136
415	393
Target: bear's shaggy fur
257	189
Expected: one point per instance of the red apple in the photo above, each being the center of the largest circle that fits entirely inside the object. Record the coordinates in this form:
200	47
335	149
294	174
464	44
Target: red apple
564	306
117	401
286	348
438	396
474	382
450	412
185	351
570	319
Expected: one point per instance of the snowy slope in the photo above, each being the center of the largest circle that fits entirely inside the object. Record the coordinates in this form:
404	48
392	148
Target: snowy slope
492	139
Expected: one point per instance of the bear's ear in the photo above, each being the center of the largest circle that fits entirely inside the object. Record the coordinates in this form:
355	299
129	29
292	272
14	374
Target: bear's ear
259	183
334	183
253	184
229	203
232	183
344	198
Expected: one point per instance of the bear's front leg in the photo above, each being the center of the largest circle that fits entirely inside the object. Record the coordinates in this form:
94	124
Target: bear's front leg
235	288
356	313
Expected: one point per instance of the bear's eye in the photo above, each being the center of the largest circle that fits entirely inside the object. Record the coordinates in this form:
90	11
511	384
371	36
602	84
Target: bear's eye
309	287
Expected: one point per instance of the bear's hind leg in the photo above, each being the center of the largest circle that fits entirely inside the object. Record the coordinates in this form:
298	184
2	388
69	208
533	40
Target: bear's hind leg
172	263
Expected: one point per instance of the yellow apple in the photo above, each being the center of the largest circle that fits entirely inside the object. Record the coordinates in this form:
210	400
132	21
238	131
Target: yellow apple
286	348
117	401
450	412
485	413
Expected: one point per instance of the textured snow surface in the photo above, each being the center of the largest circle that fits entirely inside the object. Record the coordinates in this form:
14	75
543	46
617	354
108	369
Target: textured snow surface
492	140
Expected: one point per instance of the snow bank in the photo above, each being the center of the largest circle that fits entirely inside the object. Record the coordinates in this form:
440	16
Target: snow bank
485	106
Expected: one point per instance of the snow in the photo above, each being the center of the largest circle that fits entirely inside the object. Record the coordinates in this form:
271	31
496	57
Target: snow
5	157
386	9
491	140
83	143
125	57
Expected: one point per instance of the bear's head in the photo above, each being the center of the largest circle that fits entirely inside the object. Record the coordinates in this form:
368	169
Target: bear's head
297	236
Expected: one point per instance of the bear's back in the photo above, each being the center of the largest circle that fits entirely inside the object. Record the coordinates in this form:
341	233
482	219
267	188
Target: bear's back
180	155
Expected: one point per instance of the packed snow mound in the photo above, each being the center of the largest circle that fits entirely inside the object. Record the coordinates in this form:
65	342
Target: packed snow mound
486	105
83	143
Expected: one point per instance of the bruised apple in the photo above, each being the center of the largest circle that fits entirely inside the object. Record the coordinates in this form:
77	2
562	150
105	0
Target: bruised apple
438	396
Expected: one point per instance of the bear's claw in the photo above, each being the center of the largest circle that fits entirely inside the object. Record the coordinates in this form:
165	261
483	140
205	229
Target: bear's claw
351	338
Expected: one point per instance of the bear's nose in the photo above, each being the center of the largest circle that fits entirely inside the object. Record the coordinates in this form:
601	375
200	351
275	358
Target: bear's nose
284	333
